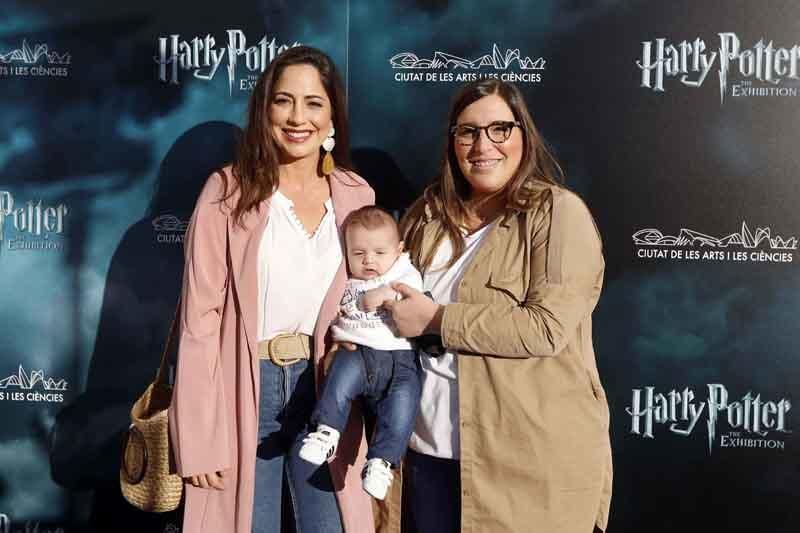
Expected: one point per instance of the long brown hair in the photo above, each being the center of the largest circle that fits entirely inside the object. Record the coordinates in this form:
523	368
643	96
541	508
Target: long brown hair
445	198
255	169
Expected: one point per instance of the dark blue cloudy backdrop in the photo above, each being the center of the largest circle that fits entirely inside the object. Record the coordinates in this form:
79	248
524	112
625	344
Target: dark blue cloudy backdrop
120	149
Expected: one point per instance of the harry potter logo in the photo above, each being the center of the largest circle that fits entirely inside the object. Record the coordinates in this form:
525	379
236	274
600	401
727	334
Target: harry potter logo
692	62
202	56
750	414
33	219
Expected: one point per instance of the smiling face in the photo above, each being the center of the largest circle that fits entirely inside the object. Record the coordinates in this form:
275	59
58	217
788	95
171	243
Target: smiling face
371	252
300	112
488	166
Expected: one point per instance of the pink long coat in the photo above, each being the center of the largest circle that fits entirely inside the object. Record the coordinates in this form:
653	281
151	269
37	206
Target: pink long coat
214	411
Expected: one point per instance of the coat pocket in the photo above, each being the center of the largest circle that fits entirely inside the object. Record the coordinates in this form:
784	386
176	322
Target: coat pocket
511	284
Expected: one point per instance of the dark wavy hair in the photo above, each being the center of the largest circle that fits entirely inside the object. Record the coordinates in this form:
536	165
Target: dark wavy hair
255	168
448	193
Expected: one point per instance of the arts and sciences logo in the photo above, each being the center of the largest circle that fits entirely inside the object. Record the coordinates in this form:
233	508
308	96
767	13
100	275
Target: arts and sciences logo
746	245
169	229
38	60
32	386
31	526
33	225
764	64
203	58
753	421
509	65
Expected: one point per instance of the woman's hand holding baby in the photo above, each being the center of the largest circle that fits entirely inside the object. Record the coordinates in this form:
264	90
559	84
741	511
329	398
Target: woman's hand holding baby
415	314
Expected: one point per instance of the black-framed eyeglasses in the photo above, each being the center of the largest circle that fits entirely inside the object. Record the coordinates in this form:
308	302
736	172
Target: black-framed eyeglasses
498	132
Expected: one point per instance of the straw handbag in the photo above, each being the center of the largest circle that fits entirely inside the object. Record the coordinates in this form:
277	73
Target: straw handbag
147	472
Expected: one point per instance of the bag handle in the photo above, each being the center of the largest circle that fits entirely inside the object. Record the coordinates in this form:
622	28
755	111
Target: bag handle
161	375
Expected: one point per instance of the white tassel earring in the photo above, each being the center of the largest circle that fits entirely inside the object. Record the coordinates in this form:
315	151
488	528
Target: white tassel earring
328	163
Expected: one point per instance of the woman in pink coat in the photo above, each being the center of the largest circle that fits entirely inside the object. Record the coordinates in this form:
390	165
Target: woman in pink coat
263	278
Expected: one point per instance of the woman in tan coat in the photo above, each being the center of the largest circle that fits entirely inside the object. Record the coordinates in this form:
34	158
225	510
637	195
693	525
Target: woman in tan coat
513	430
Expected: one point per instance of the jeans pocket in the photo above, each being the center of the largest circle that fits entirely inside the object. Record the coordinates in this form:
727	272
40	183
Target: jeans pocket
271	396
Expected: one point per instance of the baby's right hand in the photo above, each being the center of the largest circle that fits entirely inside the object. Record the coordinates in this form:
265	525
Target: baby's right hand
374	298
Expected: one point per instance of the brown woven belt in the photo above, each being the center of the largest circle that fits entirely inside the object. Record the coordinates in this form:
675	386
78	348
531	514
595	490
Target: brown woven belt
286	348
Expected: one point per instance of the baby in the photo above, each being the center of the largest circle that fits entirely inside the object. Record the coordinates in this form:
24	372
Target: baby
383	369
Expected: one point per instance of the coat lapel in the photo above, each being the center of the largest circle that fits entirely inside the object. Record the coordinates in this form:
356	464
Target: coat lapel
497	236
344	202
244	243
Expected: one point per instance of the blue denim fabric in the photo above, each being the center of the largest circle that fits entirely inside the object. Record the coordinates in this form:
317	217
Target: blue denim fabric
389	381
432	490
287	399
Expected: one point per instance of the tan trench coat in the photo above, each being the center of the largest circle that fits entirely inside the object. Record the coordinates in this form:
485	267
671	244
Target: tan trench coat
535	449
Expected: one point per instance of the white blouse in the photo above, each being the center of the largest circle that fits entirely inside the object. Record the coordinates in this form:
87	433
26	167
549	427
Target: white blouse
436	429
295	269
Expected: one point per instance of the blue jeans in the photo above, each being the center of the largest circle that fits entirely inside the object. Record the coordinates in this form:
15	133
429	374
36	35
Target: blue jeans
432	490
287	399
389	381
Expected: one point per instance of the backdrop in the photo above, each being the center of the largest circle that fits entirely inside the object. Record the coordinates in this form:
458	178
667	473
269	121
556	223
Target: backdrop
677	122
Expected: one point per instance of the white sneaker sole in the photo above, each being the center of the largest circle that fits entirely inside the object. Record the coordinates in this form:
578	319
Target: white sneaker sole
377	491
307	453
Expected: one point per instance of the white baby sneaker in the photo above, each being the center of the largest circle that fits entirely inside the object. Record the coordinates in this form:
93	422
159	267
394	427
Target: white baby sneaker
320	445
376	477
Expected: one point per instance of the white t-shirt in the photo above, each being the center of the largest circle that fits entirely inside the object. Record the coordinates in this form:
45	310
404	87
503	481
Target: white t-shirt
374	329
295	269
436	429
